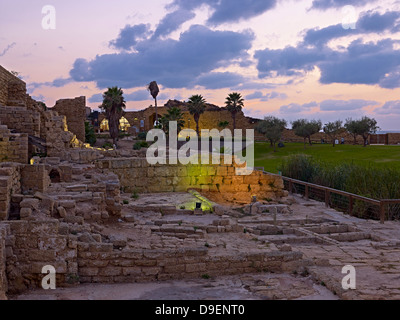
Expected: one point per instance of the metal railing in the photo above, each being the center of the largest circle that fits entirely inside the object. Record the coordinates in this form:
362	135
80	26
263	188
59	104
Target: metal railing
384	209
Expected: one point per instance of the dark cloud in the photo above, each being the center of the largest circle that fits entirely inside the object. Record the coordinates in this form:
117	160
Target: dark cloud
140	95
57	83
173	63
297	108
390	107
342	105
172	22
96	98
232	11
375	22
226	11
360	63
290	61
130	36
369	22
327	4
370	63
219	80
258	95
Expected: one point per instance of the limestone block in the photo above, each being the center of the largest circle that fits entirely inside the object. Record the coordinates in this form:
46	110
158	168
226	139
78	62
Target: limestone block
30	203
25	213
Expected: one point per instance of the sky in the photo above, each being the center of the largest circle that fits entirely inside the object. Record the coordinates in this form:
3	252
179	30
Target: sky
313	59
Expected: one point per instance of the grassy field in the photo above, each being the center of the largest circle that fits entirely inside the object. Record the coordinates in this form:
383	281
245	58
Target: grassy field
378	156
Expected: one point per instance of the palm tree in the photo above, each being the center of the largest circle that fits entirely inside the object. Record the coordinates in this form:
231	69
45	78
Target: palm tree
234	103
154	91
197	106
113	106
174	114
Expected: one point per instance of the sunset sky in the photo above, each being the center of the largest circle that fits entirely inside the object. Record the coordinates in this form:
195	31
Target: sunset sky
315	59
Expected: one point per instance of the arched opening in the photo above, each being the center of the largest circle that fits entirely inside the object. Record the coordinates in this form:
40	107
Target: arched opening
104	126
124	125
55	176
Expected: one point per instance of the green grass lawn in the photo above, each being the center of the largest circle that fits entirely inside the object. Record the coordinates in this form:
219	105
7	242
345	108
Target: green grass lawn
378	156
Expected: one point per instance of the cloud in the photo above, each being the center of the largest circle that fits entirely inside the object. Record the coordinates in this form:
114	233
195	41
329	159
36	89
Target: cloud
363	63
56	83
327	4
96	98
360	63
290	61
172	63
258	95
130	36
9	47
233	11
390	107
369	22
228	11
172	21
297	108
219	80
140	95
391	80
40	97
343	105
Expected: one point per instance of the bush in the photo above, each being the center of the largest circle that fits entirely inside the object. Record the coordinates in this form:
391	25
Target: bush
108	145
142	135
141	144
90	135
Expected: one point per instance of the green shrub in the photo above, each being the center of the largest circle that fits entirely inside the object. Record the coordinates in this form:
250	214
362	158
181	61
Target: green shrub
135	195
90	135
108	145
141	144
142	135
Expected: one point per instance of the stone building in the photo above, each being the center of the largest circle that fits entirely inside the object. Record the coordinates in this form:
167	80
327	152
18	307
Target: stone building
142	121
28	128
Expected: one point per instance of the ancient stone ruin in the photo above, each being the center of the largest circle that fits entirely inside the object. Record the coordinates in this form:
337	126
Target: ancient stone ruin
109	217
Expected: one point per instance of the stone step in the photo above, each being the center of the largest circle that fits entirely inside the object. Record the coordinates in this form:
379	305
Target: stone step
350	236
289	239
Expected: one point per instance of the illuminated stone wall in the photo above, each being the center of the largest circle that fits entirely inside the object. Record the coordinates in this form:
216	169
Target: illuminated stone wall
138	175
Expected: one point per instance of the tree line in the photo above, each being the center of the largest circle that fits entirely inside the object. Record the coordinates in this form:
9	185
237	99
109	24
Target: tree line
114	105
272	128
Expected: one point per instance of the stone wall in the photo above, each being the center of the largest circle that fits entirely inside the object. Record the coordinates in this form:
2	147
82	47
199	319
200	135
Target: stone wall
75	112
21	120
4	231
12	89
33	245
34	178
100	263
137	175
13	147
394	138
9	185
289	136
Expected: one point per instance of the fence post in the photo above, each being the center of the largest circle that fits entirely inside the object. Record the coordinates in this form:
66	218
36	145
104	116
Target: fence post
290	187
327	198
307	193
351	205
382	211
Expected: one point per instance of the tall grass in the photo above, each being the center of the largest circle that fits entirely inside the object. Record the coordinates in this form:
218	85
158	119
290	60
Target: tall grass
367	181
